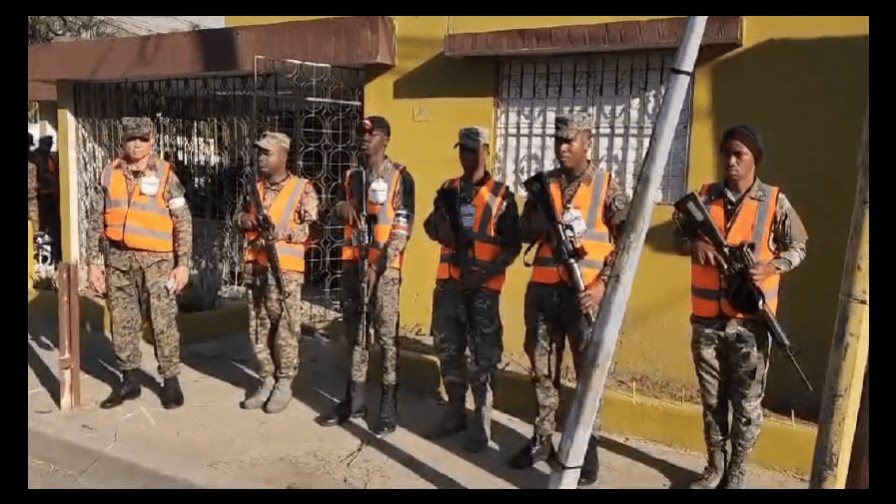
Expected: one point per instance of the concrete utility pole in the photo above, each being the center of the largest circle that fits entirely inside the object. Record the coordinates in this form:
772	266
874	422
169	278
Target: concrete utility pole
599	355
849	349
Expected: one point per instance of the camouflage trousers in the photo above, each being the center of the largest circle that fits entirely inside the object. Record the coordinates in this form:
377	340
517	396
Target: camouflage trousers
731	360
137	293
275	335
552	316
465	320
382	321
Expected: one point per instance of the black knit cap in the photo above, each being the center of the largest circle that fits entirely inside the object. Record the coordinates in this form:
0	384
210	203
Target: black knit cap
747	136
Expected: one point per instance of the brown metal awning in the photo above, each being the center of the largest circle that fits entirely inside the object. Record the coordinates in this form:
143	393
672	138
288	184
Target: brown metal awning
41	91
723	34
347	41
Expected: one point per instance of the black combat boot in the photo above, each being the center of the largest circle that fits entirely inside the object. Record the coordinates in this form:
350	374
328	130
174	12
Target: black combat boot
538	448
455	418
736	472
128	388
715	467
352	406
588	475
388	417
172	397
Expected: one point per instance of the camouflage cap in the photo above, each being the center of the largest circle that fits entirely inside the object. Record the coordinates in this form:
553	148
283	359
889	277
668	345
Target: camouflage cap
136	127
472	137
271	139
568	126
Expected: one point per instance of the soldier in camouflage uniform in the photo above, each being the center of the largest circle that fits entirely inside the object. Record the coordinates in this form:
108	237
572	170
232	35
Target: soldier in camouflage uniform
48	194
390	210
553	310
33	208
274	317
466	299
148	229
731	350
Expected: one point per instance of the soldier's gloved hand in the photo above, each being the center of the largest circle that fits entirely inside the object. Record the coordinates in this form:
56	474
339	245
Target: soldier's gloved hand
179	275
96	277
346	213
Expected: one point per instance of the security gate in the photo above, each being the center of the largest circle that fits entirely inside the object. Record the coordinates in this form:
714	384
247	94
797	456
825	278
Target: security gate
206	128
319	107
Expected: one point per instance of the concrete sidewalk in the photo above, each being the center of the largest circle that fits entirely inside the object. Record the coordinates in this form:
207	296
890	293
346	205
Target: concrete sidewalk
212	443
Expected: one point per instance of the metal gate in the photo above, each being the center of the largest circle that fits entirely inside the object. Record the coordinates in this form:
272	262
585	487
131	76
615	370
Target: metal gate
319	107
206	128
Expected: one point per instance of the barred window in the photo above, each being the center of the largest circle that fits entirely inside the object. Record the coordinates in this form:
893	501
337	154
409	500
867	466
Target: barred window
621	91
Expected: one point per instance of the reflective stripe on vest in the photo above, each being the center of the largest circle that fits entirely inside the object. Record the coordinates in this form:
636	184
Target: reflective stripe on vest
486	244
596	241
385	220
140	222
752	222
281	212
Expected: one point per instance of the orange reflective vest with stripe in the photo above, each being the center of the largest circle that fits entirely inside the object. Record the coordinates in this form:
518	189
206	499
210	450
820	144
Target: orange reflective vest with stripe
48	182
752	223
139	221
486	245
385	221
589	201
283	208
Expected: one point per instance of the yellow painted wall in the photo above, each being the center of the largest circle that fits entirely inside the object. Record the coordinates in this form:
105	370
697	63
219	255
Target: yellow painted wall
803	81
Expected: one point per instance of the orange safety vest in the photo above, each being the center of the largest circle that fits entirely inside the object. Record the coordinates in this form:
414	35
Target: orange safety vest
486	244
140	221
589	200
385	221
51	178
291	255
752	222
